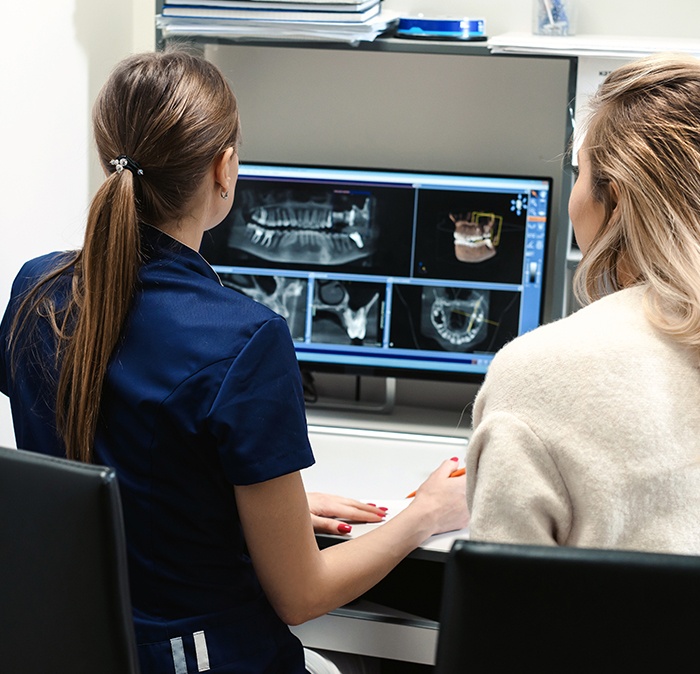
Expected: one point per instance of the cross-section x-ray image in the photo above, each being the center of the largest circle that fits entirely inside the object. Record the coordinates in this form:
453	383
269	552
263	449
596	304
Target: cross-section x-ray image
455	317
347	312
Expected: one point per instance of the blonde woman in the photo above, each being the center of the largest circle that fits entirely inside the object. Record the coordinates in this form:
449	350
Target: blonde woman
131	353
587	431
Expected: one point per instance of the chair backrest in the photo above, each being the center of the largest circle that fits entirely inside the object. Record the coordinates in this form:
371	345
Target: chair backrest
64	595
554	609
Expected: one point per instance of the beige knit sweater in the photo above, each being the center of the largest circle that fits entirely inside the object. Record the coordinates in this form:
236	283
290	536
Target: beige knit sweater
587	433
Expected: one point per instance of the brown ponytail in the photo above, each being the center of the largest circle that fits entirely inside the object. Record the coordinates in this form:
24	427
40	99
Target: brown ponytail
173	113
105	275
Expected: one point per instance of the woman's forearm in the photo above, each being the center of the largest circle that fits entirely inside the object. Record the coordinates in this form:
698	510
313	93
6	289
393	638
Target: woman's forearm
302	582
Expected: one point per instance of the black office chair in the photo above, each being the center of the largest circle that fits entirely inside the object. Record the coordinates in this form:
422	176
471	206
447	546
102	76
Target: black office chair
512	608
64	595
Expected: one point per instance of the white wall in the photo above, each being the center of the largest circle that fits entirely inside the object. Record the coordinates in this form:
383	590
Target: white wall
57	53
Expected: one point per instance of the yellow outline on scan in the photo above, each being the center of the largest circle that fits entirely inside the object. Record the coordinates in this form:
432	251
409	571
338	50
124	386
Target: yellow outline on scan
494	239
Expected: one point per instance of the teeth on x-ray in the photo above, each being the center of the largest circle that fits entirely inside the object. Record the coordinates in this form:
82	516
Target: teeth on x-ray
334	298
328	230
455	318
357	238
476	235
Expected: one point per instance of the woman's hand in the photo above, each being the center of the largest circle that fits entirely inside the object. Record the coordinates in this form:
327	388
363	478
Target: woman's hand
444	498
326	509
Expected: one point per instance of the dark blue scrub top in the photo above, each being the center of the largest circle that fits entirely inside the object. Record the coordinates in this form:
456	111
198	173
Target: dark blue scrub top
203	392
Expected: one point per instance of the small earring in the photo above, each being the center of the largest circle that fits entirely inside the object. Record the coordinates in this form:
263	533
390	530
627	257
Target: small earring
224	195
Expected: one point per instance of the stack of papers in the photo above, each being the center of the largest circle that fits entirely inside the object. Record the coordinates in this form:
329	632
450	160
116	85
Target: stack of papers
610	46
344	20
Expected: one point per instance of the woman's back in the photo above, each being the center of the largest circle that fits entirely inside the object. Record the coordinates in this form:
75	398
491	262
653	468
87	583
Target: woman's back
588	434
201	377
201	380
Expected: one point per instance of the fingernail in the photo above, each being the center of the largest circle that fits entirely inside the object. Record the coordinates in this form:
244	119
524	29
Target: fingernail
344	528
374	505
454	458
383	508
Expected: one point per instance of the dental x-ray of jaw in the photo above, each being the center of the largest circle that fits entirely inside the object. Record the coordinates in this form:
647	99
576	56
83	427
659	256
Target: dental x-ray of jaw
347	312
455	317
311	225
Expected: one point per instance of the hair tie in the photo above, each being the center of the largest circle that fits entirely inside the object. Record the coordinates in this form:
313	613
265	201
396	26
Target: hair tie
124	162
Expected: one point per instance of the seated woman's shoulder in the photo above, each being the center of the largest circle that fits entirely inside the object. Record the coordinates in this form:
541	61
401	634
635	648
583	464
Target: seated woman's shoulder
602	327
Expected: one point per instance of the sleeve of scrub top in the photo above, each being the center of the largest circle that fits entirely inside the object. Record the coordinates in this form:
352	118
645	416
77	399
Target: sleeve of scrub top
4	356
514	490
26	278
5	326
258	419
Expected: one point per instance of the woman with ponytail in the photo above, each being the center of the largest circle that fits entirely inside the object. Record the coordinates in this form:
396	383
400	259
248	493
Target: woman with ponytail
130	353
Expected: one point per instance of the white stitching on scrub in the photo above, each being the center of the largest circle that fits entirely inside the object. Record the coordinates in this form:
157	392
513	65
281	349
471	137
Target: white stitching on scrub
178	650
200	647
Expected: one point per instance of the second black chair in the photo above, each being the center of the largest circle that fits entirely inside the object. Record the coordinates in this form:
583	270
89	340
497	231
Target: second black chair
511	608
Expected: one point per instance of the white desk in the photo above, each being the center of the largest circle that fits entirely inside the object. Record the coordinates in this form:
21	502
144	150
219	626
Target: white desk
380	466
369	464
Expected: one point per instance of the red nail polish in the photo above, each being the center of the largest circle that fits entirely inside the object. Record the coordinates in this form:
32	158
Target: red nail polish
374	505
454	458
344	528
383	508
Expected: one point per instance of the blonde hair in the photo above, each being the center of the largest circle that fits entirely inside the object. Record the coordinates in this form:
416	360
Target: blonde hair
643	145
173	113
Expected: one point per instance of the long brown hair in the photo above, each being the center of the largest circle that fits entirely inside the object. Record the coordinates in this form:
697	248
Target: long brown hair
173	113
643	145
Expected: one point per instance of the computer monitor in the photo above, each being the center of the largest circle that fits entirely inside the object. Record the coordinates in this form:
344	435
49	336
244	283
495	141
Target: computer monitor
389	273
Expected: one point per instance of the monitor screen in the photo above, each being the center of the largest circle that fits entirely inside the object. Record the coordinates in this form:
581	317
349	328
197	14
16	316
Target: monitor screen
388	272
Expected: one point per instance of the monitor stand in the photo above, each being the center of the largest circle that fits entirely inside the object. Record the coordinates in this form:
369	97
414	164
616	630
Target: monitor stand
385	406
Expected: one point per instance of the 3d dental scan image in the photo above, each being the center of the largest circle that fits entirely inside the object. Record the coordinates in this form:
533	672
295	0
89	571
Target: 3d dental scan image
390	271
477	236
